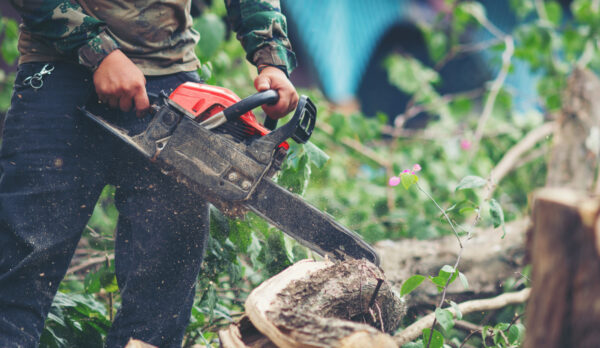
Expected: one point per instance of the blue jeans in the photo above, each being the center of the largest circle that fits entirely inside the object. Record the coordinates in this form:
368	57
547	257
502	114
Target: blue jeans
53	166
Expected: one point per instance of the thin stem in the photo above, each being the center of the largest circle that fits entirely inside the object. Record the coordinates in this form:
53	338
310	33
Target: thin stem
494	91
110	294
541	10
443	212
443	299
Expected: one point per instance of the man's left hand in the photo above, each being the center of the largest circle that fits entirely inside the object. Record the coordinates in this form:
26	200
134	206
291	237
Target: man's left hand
273	78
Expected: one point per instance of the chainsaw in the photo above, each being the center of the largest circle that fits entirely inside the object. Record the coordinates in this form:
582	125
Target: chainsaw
211	142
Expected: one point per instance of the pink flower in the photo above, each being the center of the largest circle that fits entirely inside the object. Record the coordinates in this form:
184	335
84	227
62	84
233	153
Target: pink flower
406	171
394	181
465	144
416	168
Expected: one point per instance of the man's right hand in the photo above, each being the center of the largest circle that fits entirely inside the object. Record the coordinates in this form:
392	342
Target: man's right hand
121	84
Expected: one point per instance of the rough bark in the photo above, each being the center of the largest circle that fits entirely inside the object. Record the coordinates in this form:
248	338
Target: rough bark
321	304
487	261
576	145
564	306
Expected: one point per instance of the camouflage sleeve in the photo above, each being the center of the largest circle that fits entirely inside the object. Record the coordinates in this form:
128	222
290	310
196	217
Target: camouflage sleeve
262	30
64	25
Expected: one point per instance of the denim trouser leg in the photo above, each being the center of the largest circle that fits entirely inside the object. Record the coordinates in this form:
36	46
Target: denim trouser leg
160	239
48	189
53	166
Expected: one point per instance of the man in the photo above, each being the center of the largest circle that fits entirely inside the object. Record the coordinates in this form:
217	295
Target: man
54	164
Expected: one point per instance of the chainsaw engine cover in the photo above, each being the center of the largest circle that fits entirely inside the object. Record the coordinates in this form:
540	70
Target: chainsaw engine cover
202	101
219	167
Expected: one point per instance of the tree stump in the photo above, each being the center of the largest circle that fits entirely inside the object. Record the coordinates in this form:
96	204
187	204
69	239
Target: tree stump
564	247
575	155
320	304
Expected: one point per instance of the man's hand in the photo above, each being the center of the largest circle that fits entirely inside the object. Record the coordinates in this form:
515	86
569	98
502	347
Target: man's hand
121	84
273	78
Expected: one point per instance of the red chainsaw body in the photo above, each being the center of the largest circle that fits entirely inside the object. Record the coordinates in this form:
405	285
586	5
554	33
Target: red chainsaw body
204	101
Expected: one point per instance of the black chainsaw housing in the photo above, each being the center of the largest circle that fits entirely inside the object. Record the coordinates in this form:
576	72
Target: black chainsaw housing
224	169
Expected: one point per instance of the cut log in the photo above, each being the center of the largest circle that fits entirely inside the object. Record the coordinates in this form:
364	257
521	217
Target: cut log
487	261
138	344
321	304
564	305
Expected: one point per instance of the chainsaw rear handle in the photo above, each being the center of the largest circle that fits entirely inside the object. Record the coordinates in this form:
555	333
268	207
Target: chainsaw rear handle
236	110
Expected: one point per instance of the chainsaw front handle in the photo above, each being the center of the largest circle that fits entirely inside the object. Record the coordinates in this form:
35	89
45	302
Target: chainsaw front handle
235	111
300	126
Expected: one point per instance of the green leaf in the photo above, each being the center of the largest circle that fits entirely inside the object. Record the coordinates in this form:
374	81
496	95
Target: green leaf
211	299
411	284
497	215
205	72
447	269
471	181
475	9
219	225
437	339
296	170
92	283
9	43
442	278
484	332
212	32
463	280
418	344
457	311
516	333
408	180
437	43
554	12
274	255
240	234
498	330
316	156
444	318
408	74
461	106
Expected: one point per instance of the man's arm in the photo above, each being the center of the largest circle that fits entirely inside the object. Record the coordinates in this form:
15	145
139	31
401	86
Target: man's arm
262	30
65	26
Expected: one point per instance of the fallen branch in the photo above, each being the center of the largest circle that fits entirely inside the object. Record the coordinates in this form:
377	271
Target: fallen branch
510	160
358	147
415	330
89	263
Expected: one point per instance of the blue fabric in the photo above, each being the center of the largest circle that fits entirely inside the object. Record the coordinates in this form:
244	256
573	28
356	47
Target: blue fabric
340	37
54	165
521	82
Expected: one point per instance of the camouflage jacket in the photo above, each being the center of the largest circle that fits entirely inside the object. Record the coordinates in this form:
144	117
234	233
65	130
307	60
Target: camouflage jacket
156	35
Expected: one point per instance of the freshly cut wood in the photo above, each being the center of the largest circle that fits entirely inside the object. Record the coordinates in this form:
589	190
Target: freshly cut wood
564	305
243	334
138	344
322	304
